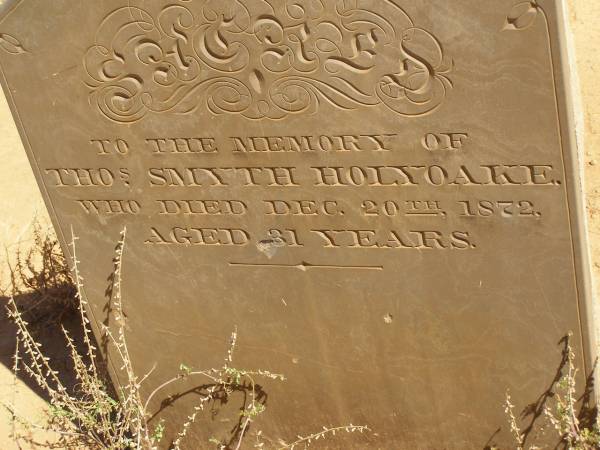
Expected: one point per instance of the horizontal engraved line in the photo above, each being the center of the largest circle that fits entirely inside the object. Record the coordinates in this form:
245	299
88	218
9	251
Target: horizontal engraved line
304	266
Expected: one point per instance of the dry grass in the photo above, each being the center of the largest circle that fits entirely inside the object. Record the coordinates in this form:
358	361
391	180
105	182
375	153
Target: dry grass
41	280
90	416
561	413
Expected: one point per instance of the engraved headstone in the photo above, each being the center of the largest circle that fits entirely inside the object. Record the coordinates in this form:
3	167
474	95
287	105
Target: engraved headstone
382	195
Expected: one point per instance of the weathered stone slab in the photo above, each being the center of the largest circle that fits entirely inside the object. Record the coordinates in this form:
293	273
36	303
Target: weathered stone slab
382	196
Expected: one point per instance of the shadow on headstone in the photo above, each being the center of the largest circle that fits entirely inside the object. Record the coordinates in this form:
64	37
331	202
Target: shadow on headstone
533	414
46	298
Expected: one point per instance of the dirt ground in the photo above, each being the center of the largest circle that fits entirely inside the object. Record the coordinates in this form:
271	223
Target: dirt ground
23	203
585	23
27	400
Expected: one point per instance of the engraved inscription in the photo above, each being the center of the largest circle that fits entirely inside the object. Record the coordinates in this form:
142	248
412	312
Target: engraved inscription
264	59
219	196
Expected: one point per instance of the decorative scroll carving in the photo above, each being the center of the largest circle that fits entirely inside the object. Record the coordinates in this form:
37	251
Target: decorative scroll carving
522	15
11	44
264	59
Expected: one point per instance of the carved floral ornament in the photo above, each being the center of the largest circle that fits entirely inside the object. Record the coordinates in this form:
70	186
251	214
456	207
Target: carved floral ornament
263	59
523	15
11	44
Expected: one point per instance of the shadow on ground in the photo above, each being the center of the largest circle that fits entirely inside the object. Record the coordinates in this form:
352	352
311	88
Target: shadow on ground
45	326
41	285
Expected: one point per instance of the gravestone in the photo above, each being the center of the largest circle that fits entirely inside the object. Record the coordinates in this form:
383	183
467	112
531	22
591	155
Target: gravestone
383	196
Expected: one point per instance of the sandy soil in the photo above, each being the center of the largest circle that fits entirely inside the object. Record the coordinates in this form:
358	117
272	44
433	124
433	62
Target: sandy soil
26	400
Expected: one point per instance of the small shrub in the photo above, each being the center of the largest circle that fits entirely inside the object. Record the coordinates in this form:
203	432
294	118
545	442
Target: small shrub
41	280
92	417
561	414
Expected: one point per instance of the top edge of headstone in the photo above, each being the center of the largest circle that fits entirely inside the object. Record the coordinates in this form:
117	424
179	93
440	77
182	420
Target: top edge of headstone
6	6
